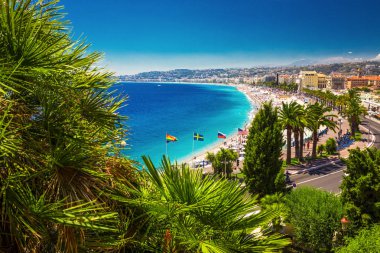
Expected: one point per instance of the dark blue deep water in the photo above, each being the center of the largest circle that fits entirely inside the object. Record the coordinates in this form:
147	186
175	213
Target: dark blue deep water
179	109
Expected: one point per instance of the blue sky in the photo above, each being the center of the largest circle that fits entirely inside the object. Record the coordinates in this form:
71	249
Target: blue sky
143	35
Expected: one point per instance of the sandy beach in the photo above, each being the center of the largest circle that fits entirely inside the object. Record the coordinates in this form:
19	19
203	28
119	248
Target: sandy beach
232	139
256	96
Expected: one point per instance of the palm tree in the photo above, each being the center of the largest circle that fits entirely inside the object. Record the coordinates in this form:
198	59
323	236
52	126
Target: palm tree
301	124
56	113
317	115
189	214
340	102
222	161
226	158
288	118
353	109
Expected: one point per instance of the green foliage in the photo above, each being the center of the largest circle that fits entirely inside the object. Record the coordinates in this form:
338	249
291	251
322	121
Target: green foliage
315	216
358	136
321	148
331	146
186	213
222	162
353	109
317	116
288	117
361	187
262	164
288	87
366	241
275	202
326	97
56	114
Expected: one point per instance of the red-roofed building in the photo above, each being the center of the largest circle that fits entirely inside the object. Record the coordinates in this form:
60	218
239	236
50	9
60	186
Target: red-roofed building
363	81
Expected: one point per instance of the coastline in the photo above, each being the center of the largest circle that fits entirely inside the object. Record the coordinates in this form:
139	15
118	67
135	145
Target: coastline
173	82
213	148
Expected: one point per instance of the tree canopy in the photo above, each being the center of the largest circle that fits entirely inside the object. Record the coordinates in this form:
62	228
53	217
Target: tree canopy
353	109
222	161
366	241
361	187
262	163
56	114
189	213
315	216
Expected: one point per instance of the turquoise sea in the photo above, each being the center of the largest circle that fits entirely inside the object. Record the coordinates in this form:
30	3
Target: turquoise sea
179	109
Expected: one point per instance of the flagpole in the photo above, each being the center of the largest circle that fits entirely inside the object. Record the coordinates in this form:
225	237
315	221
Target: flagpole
192	151
166	145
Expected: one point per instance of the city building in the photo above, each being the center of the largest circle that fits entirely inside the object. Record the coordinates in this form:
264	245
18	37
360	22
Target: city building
269	78
287	79
322	81
337	81
257	79
372	82
309	79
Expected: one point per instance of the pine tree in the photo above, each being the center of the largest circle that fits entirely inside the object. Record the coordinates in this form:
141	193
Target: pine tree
361	187
263	165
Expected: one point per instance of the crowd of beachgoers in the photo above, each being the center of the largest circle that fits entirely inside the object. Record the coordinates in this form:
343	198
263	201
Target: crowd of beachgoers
258	96
236	142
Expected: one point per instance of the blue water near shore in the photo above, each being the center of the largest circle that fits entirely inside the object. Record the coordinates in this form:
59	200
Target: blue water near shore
179	109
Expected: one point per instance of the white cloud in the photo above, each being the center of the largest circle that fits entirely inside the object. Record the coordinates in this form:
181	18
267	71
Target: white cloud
349	52
339	59
335	59
377	58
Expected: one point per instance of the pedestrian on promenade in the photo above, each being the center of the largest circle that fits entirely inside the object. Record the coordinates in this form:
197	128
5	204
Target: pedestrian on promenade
308	144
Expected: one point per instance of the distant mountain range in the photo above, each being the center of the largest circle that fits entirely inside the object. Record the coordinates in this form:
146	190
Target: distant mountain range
326	66
302	62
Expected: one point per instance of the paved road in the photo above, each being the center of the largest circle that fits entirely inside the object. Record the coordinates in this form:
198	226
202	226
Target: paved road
374	127
329	178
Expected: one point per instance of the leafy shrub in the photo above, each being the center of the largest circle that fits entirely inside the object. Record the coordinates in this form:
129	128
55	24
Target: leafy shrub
331	146
360	188
320	149
366	241
315	216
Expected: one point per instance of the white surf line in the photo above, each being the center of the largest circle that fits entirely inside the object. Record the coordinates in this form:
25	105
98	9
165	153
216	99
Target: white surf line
319	177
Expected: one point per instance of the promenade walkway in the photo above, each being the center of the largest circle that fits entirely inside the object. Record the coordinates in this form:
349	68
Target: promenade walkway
366	141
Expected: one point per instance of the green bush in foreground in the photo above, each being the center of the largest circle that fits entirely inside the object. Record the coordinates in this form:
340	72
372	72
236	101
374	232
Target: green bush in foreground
361	187
186	213
367	241
56	114
315	216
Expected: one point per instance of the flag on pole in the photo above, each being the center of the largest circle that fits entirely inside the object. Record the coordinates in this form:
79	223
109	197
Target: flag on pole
198	137
170	138
221	135
242	132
